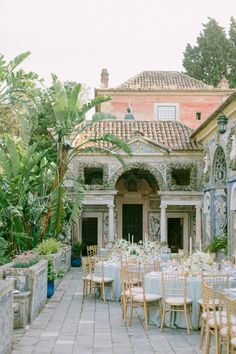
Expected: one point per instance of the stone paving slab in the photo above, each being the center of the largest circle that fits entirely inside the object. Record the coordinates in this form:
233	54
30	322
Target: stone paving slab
69	325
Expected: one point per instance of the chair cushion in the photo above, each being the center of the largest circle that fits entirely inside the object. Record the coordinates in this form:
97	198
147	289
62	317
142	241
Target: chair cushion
223	314
200	302
97	279
212	322
233	341
224	331
148	297
134	291
177	300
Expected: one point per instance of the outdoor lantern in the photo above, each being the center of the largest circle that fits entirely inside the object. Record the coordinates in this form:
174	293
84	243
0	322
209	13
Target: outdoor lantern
221	123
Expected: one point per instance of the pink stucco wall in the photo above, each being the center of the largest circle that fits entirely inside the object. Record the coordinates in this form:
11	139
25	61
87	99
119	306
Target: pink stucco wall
143	105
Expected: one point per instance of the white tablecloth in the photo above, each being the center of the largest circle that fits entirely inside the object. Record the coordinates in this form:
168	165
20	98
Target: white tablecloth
153	284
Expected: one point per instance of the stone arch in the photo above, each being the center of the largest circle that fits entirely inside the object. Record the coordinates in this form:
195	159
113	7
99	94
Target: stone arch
219	167
141	166
233	198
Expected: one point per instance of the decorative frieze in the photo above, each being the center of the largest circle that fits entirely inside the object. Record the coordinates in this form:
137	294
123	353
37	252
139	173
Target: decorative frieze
103	166
182	166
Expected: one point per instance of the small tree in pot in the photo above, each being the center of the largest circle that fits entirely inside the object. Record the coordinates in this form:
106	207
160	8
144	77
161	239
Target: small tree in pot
76	251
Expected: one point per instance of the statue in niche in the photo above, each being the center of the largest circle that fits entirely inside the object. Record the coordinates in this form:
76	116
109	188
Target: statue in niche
154	227
208	226
220	213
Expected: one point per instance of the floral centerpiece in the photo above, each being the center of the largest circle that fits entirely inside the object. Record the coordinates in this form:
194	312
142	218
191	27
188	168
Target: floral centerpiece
199	262
121	245
141	249
149	247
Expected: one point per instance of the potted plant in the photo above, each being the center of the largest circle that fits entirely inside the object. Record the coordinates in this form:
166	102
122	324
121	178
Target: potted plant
76	251
218	245
52	276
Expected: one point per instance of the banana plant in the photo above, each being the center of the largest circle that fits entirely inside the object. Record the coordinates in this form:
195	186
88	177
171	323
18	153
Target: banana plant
69	116
25	183
18	93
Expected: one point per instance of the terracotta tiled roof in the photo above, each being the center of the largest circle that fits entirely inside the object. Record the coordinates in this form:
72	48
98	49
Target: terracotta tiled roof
159	80
171	134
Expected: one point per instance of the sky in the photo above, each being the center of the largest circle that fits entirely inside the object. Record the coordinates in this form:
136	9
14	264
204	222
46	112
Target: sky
77	38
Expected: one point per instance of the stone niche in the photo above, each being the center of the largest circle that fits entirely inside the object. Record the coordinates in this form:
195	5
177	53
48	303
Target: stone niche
6	316
33	279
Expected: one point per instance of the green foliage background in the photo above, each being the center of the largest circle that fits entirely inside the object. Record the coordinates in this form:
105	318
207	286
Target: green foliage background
214	55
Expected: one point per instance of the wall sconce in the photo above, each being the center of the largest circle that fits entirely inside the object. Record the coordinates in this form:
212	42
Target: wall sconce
222	121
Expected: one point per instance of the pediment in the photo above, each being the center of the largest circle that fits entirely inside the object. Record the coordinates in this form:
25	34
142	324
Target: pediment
143	145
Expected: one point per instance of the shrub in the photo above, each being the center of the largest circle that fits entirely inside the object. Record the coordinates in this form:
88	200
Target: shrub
48	246
26	260
52	275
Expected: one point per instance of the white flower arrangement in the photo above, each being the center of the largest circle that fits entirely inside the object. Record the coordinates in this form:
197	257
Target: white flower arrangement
141	249
121	245
199	262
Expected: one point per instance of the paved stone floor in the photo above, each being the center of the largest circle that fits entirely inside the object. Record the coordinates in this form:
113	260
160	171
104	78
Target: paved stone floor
69	325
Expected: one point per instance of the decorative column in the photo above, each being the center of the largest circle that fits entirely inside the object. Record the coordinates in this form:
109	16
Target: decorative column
111	223
163	224
198	226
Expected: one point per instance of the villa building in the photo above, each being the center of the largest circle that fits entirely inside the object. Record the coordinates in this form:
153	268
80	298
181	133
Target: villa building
163	95
159	191
217	136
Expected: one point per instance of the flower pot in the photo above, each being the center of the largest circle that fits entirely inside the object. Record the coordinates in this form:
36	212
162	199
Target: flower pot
51	288
76	261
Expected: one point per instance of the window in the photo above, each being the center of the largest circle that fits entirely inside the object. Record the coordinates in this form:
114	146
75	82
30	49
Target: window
167	111
93	176
181	177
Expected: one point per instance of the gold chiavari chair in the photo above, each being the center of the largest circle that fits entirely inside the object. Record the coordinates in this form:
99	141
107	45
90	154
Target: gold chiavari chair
222	319
214	318
218	282
231	325
174	291
98	280
92	250
125	286
142	299
86	275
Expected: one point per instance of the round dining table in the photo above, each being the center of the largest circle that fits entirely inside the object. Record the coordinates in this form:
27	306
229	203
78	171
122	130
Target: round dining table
153	285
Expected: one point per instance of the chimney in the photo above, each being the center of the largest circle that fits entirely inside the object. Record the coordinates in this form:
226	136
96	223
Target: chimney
104	79
223	84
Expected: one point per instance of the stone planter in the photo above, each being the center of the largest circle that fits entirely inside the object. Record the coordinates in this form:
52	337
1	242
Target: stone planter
21	309
66	252
33	279
6	316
